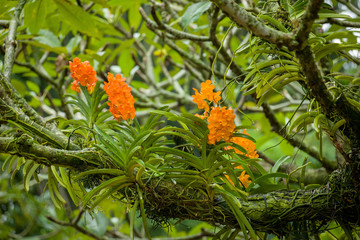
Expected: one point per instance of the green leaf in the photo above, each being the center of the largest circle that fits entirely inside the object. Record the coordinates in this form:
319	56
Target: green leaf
278	163
333	47
274	22
266	188
28	176
76	17
70	186
194	11
19	86
333	15
258	66
192	160
111	148
142	211
73	44
35	13
265	179
301	119
109	183
33	87
235	207
243	135
47	37
108	171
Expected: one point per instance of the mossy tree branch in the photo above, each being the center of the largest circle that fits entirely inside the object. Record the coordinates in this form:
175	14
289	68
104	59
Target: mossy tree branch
25	146
10	41
307	20
335	107
9	58
246	20
265	211
270	212
11	100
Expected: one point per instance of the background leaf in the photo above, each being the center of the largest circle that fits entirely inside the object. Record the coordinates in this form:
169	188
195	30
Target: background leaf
194	11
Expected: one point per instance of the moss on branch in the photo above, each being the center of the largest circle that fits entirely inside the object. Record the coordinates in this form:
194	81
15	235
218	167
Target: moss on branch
270	212
245	19
24	146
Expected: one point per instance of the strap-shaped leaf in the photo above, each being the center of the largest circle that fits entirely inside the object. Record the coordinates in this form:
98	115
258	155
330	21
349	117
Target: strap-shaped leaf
333	47
107	193
262	65
109	183
142	211
278	163
301	118
72	187
29	173
57	176
336	126
194	161
55	195
291	72
277	87
9	159
137	144
111	147
274	22
268	77
235	206
109	171
154	118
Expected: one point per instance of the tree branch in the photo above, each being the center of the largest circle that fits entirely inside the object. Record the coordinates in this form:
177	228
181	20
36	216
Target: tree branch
249	22
350	6
9	58
333	108
336	107
4	23
343	23
307	20
268	212
40	72
25	146
10	42
74	224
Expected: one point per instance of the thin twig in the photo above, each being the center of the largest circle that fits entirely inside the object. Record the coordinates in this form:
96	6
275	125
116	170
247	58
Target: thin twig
277	128
177	34
350	6
75	226
40	72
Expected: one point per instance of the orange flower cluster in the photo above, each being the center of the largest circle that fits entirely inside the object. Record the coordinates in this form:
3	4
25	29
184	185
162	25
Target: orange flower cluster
221	120
245	143
82	73
221	124
121	101
206	93
251	153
